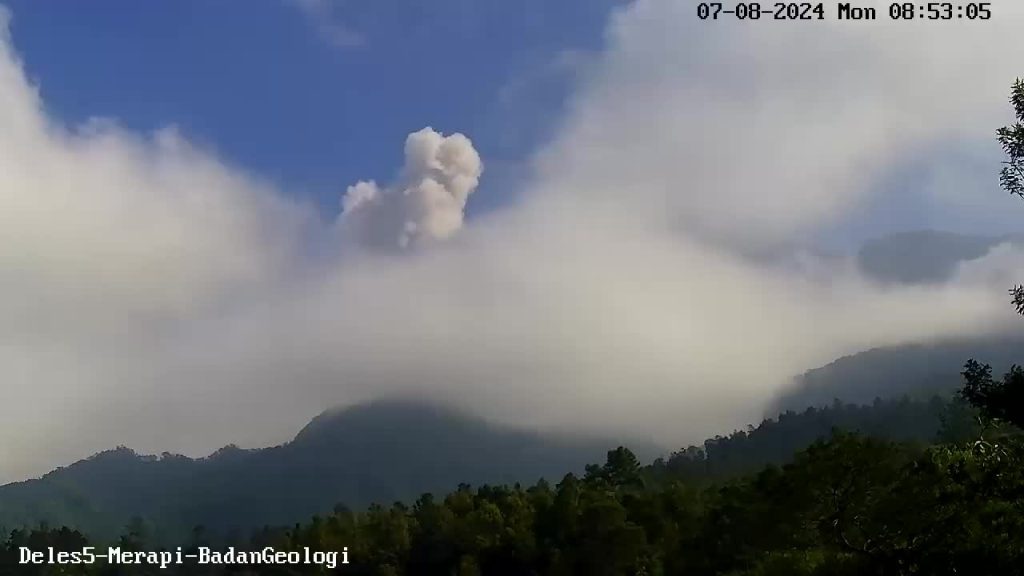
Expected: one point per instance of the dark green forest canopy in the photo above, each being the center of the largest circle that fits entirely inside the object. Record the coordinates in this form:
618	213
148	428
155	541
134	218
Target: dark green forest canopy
849	504
880	501
380	453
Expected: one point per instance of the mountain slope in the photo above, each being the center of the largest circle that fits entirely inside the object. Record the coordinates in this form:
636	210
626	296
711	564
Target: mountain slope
378	452
917	370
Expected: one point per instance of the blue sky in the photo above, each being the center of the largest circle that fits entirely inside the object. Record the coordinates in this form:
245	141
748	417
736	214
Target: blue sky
265	86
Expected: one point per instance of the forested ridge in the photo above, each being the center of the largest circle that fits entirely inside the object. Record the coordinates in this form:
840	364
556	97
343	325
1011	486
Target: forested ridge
389	452
376	452
918	370
883	500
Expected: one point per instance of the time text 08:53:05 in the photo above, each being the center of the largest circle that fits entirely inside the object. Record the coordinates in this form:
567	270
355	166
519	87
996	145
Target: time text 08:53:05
844	11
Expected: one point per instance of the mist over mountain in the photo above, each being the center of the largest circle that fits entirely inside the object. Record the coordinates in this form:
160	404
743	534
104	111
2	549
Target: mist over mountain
918	370
511	239
151	276
385	452
380	452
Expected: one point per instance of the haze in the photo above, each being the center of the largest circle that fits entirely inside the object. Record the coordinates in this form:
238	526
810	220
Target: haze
654	275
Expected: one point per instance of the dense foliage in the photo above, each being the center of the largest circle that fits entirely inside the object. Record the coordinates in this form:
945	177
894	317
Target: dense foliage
385	453
1001	401
847	504
1012	177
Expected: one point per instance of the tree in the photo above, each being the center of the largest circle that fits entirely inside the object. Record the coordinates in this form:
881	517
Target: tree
1012	176
1003	400
1000	400
621	469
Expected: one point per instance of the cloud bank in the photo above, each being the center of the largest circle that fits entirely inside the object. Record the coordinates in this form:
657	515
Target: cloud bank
152	295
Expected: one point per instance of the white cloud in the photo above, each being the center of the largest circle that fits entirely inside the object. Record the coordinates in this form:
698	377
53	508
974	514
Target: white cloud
151	295
750	133
427	203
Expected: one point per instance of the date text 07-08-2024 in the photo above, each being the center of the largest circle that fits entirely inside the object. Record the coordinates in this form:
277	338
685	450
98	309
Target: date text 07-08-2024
844	11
